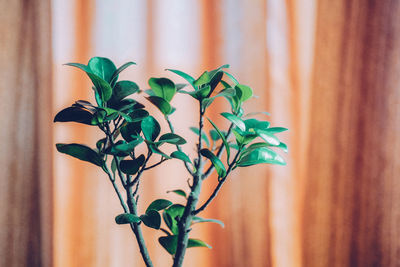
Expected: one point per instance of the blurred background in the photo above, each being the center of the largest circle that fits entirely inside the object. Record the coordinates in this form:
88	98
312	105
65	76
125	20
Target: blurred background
327	70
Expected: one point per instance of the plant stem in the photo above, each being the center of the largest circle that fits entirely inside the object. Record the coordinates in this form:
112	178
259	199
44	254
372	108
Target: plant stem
186	219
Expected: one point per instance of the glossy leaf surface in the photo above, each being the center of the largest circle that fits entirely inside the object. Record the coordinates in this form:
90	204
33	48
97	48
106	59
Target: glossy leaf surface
127	218
81	152
219	166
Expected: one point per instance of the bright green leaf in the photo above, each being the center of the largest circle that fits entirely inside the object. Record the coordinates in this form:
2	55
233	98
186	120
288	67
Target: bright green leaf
235	120
274	130
151	128
170	216
259	155
185	76
102	67
163	87
228	151
256	124
203	79
244	92
268	137
180	155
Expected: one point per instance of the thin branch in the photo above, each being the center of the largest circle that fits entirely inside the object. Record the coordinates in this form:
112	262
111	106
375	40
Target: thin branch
112	180
178	146
219	153
218	187
156	164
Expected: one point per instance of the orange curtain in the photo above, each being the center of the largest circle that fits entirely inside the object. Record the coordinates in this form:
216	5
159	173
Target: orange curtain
327	70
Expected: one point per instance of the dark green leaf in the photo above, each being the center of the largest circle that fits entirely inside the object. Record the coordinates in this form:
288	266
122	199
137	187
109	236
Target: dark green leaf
123	89
161	104
75	114
110	150
235	120
185	76
179	192
219	166
170	243
151	219
159	204
132	166
151	128
203	135
215	80
138	115
127	218
228	151
170	216
131	130
244	92
259	155
200	220
180	155
81	152
172	138
128	147
163	87
101	143
102	67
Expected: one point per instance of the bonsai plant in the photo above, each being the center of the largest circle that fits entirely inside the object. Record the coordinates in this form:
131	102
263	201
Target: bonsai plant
127	125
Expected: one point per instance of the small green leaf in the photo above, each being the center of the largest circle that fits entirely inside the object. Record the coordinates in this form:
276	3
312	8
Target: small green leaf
228	151
151	128
163	87
169	243
259	155
283	146
219	166
268	137
103	88
156	150
256	124
185	76
244	92
243	137
131	166
231	77
203	135
203	79
274	130
151	219
161	104
180	86
180	155
192	243
123	89
127	218
81	152
179	192
159	204
201	220
102	67
75	114
172	138
170	216
235	120
214	135
128	147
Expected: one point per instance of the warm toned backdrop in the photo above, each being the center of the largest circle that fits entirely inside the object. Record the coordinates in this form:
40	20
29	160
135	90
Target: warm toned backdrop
328	70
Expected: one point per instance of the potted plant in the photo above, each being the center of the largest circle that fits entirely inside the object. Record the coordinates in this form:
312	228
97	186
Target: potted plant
127	125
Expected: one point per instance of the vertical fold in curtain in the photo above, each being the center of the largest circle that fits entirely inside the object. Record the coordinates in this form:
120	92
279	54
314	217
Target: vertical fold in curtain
352	190
26	155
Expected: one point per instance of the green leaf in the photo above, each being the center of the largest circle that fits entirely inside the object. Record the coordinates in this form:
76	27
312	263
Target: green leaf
123	89
235	120
151	219
201	220
170	216
138	115
214	135
228	151
128	147
203	92
75	114
81	152
219	166
180	86
243	137
203	135
268	137
185	76
151	128
215	71
231	77
259	155
215	80
179	192
100	144
156	150
131	166
256	124
102	67
203	79
274	130
180	155
163	87
172	138
283	146
159	204
119	70
161	104
257	113
127	218
244	92
110	150
170	243
131	131
227	93
103	88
